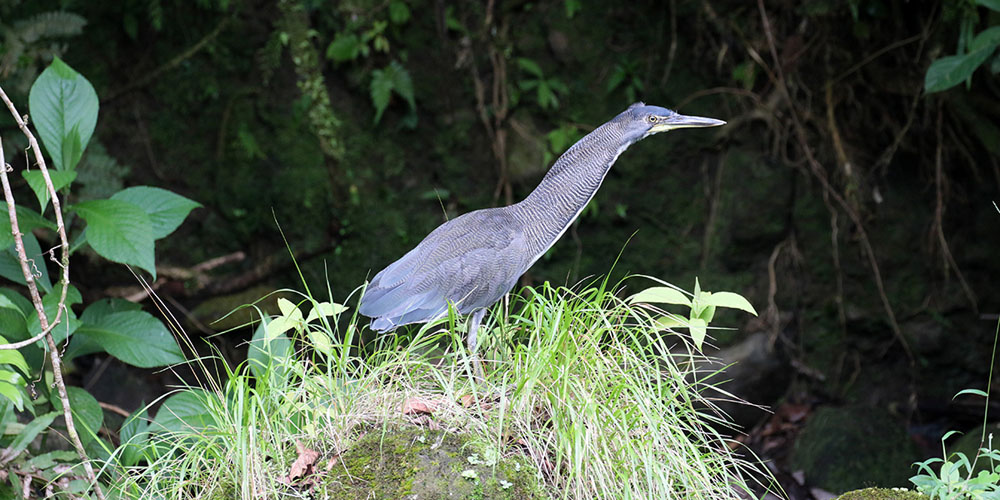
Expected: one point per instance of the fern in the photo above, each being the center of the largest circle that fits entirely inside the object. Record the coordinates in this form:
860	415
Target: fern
24	48
99	174
385	81
268	57
47	25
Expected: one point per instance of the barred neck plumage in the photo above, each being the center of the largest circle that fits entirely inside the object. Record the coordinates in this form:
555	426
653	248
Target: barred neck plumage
568	186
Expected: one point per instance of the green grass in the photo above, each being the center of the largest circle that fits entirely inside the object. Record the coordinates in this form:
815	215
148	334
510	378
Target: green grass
582	385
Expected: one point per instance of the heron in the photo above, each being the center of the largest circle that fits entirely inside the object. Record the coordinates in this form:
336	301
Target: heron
472	261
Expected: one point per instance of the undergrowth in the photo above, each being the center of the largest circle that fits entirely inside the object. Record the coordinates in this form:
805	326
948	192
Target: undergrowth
587	387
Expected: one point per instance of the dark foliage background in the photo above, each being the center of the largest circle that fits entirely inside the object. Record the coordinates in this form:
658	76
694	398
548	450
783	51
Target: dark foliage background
854	210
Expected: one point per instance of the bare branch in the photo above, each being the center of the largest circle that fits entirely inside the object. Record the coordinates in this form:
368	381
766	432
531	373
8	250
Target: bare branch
33	289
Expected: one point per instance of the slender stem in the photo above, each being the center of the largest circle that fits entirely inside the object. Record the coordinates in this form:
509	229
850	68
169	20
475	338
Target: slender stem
33	289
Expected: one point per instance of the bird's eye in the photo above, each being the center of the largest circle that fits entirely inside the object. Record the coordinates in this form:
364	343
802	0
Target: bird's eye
652	118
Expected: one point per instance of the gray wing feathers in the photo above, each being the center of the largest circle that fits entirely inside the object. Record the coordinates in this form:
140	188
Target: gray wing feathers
471	261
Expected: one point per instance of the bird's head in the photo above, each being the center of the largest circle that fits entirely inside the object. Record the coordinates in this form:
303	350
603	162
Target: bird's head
642	121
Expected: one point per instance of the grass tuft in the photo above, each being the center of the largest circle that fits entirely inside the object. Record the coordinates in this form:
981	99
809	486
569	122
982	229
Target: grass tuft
587	388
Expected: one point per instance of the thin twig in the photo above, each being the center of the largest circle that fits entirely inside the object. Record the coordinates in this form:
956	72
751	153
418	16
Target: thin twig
171	64
713	190
938	226
114	409
877	53
773	315
32	340
33	289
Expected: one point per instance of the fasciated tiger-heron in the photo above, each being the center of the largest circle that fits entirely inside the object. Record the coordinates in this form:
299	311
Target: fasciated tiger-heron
473	260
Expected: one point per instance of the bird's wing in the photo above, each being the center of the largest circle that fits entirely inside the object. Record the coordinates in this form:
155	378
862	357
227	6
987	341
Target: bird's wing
471	261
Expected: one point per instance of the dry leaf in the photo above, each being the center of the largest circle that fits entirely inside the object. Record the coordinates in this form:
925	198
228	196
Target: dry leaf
303	465
416	406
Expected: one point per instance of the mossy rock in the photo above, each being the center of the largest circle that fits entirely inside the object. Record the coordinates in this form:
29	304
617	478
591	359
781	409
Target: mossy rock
841	449
415	463
882	494
220	314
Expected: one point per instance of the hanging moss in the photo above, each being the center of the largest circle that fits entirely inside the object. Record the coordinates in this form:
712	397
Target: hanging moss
295	25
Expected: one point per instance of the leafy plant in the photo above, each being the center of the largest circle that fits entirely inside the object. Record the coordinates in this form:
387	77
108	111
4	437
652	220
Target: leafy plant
626	76
391	79
64	105
701	305
572	375
957	478
348	46
547	89
121	228
27	43
361	39
973	51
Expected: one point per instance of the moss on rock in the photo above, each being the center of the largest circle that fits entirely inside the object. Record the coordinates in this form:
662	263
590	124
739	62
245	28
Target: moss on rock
845	448
227	311
415	463
882	494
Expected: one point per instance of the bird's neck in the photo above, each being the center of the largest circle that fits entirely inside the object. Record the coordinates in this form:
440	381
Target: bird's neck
567	188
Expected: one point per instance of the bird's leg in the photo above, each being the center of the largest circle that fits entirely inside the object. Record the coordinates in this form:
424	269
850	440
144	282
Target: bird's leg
474	321
472	341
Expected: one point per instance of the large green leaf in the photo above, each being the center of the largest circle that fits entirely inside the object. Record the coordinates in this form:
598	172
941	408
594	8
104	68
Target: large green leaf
95	313
14	392
698	329
13	324
60	179
101	308
135	337
10	265
949	71
68	322
990	4
12	298
166	210
134	436
270	351
14	358
704	310
28	434
87	413
27	219
14	311
119	231
63	107
344	47
135	424
987	40
185	411
661	295
730	300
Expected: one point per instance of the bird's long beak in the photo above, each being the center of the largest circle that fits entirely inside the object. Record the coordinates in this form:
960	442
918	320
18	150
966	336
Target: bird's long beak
677	121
